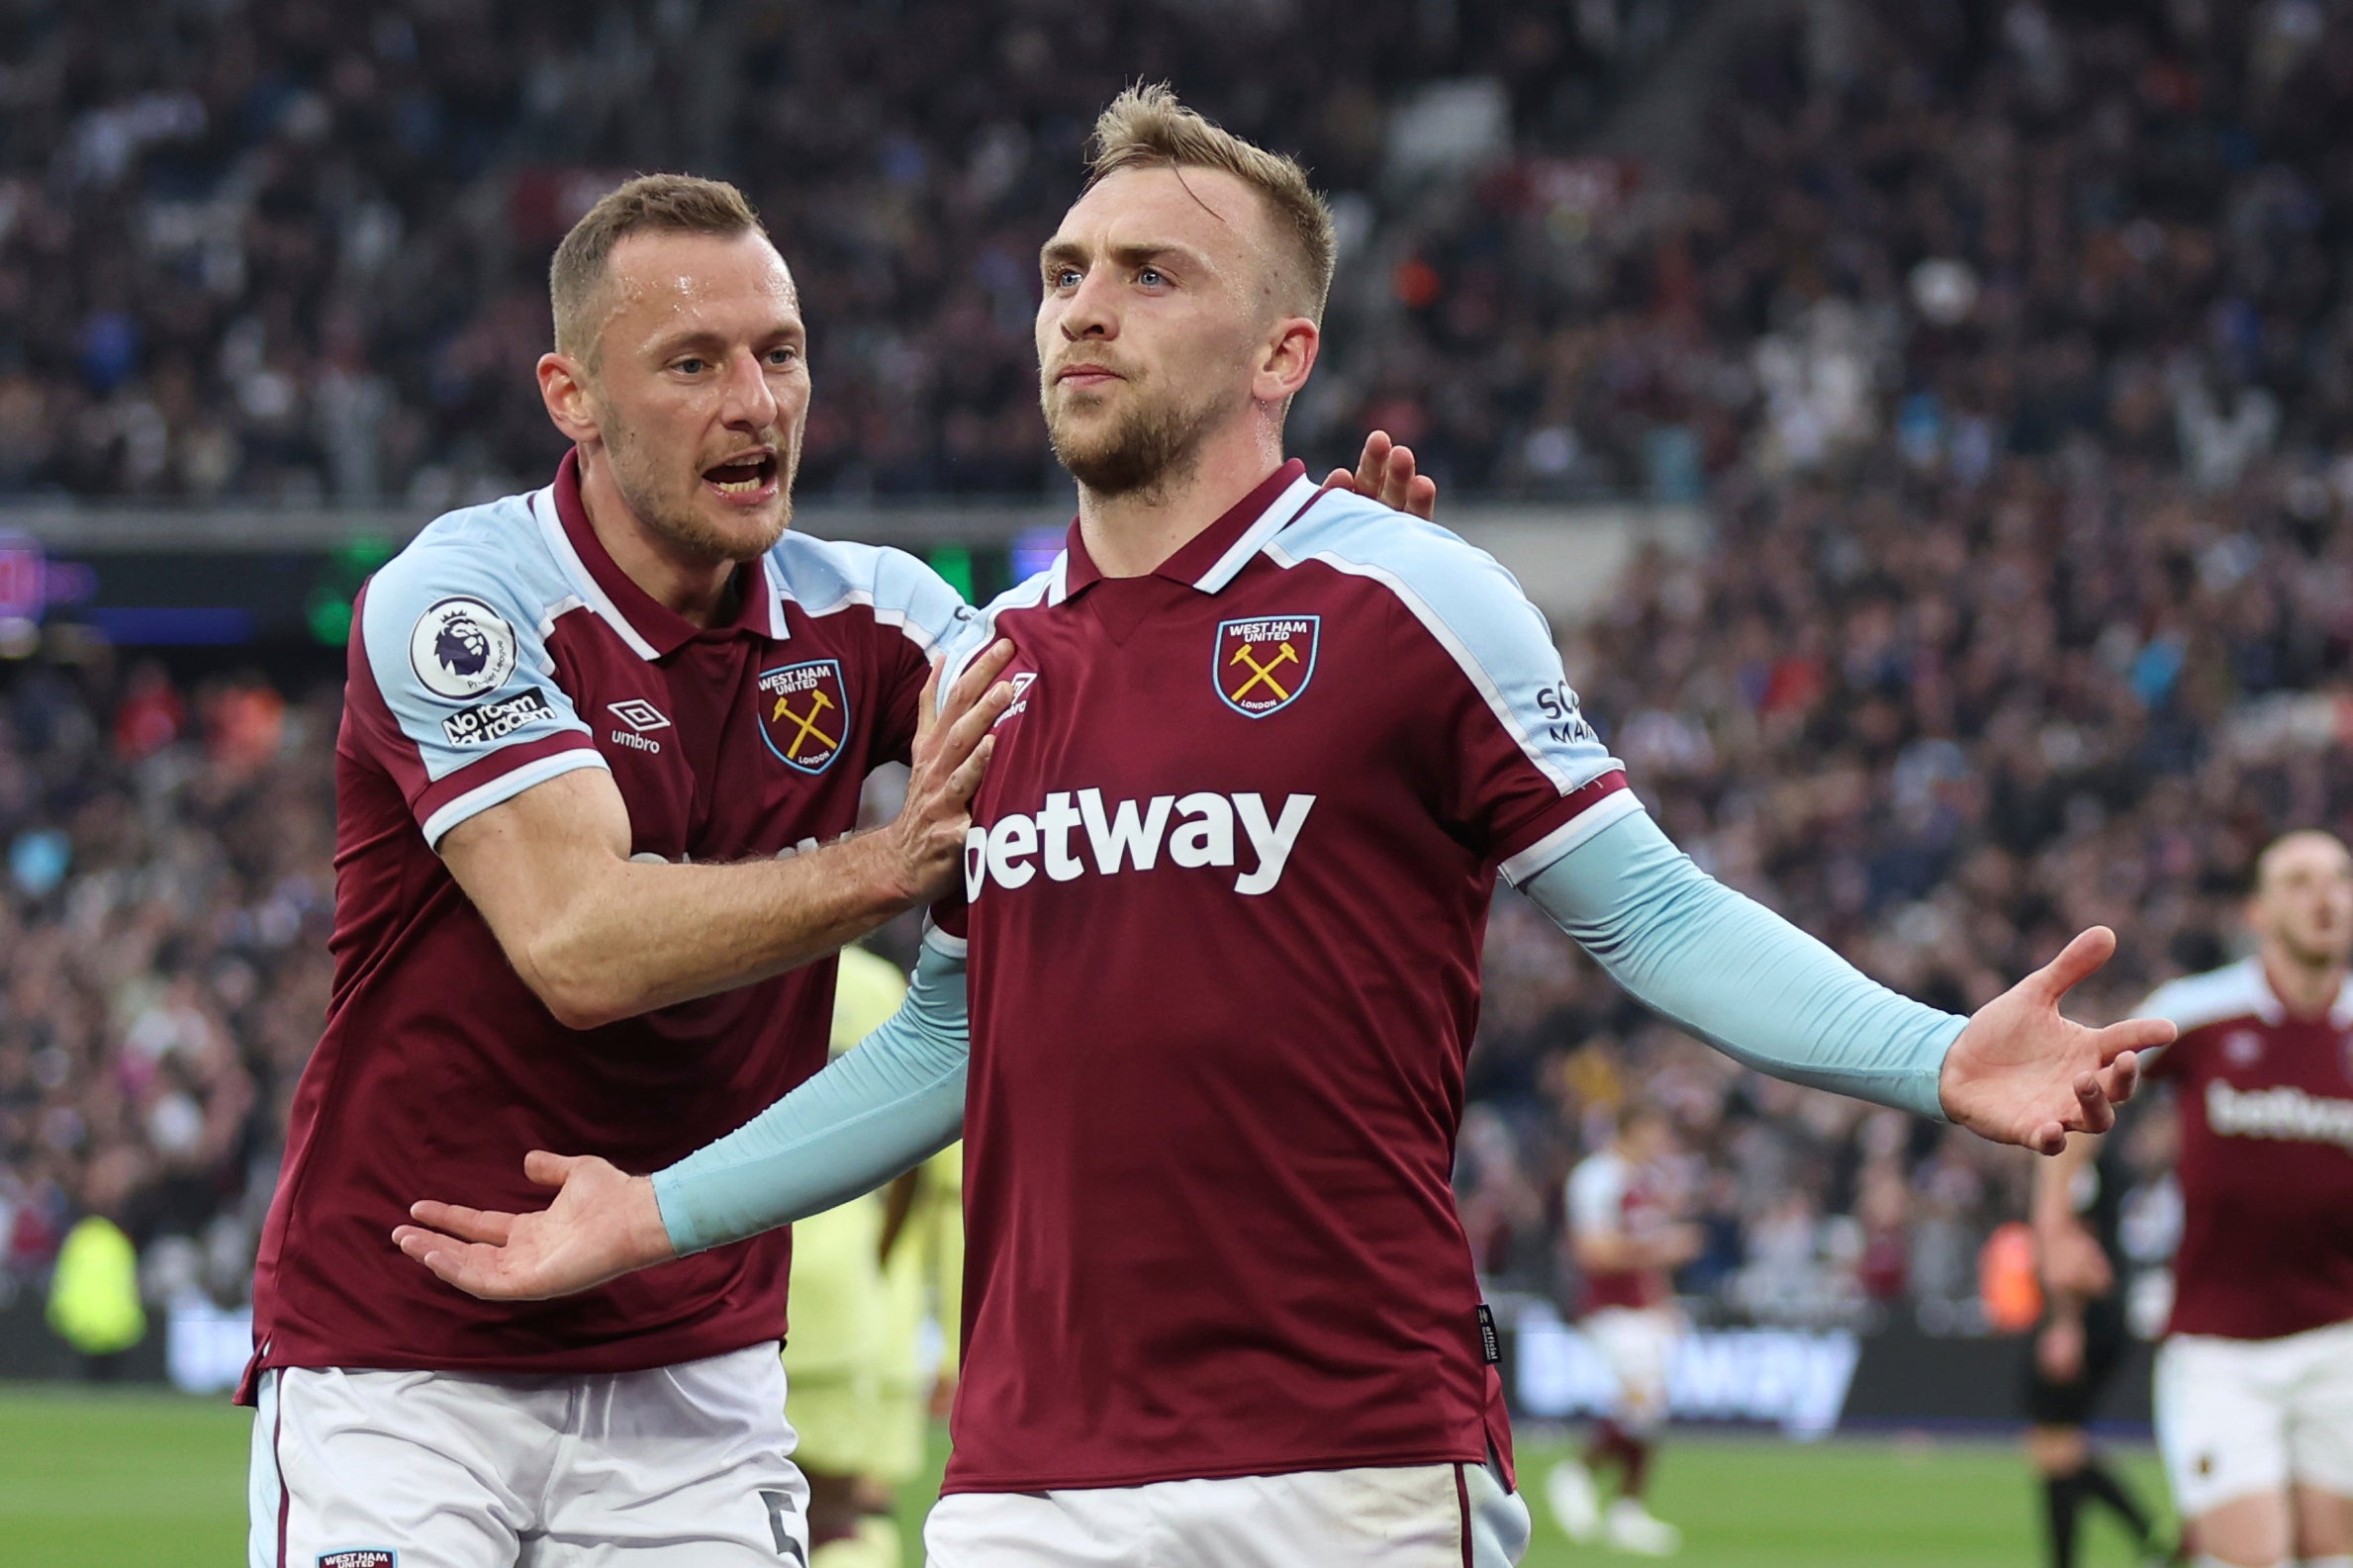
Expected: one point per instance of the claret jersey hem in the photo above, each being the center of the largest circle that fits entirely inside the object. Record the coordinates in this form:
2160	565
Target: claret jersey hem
1155	1475
613	1357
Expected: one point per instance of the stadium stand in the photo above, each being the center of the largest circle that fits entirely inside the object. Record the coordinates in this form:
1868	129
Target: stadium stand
249	251
2005	346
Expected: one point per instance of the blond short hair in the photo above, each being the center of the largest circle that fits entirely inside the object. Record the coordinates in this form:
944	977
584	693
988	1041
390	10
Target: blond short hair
1146	127
665	204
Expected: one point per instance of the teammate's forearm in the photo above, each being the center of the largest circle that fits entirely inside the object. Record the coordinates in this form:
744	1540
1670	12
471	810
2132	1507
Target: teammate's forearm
1736	974
647	934
884	1107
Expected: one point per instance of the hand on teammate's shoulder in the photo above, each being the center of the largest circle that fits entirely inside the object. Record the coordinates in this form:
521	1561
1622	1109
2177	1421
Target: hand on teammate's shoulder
1388	473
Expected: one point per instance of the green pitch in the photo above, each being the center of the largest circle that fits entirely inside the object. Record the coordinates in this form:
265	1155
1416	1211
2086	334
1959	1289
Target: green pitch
116	1479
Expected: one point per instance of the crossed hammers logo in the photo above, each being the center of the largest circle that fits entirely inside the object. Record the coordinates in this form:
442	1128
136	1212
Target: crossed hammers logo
1262	673
819	703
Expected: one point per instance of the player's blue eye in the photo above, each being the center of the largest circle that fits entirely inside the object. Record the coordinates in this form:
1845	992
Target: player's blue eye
782	356
1151	277
688	366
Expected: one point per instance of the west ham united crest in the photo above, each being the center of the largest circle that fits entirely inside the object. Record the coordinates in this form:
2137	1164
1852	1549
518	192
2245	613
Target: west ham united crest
804	713
1265	663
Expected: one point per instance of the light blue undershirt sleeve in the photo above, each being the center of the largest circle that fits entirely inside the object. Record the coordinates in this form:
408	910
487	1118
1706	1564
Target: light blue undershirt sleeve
879	1109
1732	971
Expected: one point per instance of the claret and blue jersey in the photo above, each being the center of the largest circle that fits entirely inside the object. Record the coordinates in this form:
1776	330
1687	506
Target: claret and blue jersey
1224	898
503	648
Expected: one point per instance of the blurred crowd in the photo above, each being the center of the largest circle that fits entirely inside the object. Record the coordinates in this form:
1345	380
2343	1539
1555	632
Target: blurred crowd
164	910
271	250
2004	344
2009	343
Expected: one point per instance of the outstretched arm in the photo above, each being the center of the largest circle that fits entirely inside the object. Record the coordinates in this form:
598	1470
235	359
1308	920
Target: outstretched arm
884	1107
1737	975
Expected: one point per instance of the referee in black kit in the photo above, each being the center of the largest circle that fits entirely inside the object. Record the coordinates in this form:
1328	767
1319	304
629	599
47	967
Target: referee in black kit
2076	1351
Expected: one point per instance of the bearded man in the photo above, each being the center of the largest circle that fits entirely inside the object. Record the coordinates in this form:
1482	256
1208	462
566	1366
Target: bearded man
601	746
1271	748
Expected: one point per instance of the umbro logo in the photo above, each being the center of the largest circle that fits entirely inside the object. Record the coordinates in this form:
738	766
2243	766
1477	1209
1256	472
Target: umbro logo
1022	682
639	714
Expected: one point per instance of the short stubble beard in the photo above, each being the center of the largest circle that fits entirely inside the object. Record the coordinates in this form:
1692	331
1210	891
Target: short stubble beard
1153	444
680	524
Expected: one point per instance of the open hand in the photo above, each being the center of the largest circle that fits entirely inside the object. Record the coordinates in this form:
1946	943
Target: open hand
2022	1074
950	751
1385	473
602	1224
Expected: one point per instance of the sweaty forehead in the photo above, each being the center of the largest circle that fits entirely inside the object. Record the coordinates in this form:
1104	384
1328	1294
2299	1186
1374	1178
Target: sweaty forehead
1204	210
656	283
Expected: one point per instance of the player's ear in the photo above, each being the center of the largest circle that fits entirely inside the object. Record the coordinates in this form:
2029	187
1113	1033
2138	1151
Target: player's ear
1285	360
564	389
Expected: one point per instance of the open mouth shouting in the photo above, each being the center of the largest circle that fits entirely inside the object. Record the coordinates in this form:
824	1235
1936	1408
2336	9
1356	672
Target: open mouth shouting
744	480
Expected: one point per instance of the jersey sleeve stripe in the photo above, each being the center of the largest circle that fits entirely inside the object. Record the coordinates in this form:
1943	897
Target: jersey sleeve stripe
1594	807
499	777
1474	669
945	943
583	583
825	577
1285	510
775	578
980	631
902	618
2196	1002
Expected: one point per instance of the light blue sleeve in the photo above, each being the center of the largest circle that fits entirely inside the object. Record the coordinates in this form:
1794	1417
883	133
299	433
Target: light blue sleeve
455	632
1737	974
884	1106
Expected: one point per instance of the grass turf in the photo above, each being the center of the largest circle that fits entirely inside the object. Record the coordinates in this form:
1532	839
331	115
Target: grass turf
97	1479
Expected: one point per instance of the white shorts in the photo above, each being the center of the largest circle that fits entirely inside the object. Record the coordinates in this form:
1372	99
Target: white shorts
675	1467
1429	1516
1637	1345
2238	1417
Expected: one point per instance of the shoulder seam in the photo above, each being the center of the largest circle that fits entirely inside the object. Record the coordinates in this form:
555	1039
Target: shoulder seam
1037	591
2201	1001
1445	636
505	575
902	616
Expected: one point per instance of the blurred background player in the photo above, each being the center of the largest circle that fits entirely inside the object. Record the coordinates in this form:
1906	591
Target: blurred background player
2254	1382
865	1277
2074	1356
1627	1242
